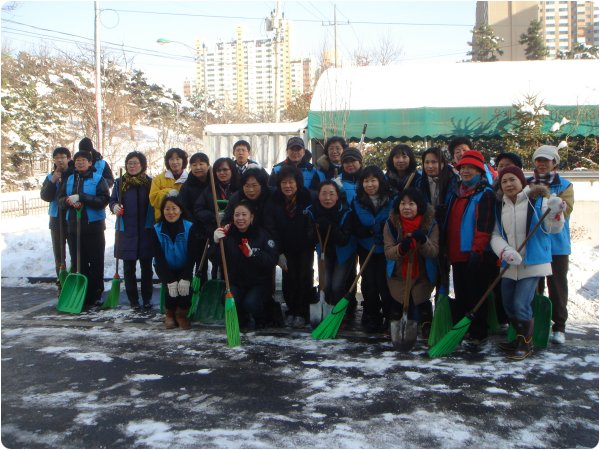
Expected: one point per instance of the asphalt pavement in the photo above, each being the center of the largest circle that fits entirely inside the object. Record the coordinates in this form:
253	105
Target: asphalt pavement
117	379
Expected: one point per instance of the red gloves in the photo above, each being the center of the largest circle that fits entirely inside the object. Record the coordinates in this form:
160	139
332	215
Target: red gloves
245	248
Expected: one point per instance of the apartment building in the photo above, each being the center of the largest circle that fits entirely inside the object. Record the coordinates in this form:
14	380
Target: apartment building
564	24
242	72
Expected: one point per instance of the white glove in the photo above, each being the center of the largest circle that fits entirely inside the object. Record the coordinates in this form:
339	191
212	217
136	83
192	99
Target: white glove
173	193
73	199
183	287
338	181
117	209
556	204
220	233
511	256
173	292
282	262
221	216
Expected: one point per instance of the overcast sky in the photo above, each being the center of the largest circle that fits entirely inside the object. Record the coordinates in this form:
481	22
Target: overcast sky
425	31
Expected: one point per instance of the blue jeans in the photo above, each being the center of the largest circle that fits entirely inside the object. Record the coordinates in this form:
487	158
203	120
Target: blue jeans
517	297
251	301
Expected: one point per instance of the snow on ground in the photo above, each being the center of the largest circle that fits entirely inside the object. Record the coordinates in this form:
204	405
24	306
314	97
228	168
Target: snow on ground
26	251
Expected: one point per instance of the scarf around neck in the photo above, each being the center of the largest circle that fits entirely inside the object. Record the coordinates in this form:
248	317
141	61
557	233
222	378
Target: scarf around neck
546	179
409	226
134	181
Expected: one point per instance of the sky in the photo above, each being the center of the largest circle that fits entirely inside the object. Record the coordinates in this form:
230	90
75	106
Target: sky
425	31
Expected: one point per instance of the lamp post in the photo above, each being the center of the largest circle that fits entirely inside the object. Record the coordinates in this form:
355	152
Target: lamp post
164	41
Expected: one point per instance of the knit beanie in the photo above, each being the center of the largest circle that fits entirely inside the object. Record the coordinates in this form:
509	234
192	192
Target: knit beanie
516	171
474	158
351	153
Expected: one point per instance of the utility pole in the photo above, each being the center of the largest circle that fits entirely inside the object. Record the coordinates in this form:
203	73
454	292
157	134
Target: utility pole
274	23
335	24
98	78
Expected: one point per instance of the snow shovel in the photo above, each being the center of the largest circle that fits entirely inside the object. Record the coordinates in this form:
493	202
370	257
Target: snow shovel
404	332
542	320
492	316
442	319
232	325
112	299
210	305
72	295
196	283
449	342
321	309
330	325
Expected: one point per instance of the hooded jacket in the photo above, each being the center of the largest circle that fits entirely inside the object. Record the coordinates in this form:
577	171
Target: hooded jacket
50	192
161	185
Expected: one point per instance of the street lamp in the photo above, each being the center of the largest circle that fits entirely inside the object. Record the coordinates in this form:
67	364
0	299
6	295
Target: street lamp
164	41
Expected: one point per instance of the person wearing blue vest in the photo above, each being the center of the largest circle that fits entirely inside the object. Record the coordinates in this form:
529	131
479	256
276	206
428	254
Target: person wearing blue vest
469	227
299	156
63	168
135	229
371	208
519	209
332	228
401	164
546	160
175	244
411	242
102	167
86	189
330	162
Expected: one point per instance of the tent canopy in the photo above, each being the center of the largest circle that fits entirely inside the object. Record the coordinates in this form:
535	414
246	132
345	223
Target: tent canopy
416	101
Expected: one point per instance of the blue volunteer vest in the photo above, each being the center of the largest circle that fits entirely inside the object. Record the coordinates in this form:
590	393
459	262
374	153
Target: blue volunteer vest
89	187
467	224
175	252
431	267
100	165
561	242
53	205
367	219
343	252
307	174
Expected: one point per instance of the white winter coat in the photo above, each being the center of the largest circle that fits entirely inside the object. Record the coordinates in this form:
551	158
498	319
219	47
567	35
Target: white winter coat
514	222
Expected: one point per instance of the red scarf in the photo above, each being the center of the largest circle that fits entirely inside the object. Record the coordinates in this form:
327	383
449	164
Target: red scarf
408	226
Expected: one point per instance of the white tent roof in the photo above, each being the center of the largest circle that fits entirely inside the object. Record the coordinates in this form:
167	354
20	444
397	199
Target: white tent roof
557	82
291	128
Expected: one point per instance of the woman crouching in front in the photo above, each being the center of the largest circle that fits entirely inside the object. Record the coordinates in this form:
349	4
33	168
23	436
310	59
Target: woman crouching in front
251	256
174	260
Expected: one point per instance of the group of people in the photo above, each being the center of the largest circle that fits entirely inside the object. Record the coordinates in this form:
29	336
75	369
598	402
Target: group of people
462	217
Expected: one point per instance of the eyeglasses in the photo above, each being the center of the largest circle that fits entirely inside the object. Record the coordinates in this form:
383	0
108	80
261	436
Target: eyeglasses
224	169
133	163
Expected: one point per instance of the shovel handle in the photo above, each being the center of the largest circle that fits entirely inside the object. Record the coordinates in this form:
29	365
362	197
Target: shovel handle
218	220
406	299
362	268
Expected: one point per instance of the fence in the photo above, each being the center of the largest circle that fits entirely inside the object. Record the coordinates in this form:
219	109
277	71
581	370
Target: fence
24	207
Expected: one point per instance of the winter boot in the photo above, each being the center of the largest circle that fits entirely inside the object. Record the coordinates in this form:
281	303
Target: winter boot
147	303
524	340
509	347
170	319
182	318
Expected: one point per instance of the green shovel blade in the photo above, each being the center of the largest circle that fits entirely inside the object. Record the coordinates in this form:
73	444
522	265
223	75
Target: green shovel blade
330	325
195	296
210	302
442	320
72	295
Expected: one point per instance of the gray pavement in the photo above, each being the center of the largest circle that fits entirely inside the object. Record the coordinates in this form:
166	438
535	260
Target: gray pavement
117	379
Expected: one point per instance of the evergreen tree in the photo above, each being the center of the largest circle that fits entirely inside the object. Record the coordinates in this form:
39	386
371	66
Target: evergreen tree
485	46
535	48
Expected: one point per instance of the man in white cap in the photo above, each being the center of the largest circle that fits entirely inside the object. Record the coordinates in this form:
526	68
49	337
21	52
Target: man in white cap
545	162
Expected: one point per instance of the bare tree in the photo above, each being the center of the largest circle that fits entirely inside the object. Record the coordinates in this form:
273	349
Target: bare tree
387	51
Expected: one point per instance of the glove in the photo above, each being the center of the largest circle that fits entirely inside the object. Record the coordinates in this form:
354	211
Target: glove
72	199
405	245
245	248
511	256
220	233
475	260
419	236
118	209
338	181
173	292
183	288
282	262
173	193
556	205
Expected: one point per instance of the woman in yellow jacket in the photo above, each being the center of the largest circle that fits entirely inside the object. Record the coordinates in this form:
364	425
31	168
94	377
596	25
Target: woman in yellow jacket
170	181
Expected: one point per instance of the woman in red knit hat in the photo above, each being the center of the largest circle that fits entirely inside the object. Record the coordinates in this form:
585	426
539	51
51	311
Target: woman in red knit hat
468	231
